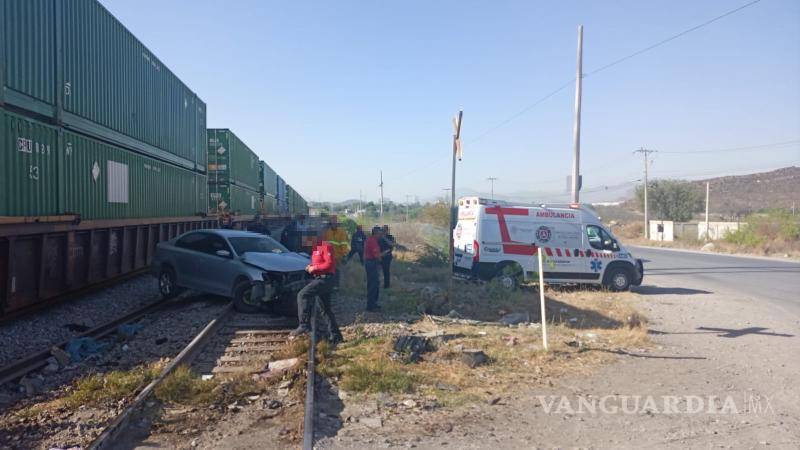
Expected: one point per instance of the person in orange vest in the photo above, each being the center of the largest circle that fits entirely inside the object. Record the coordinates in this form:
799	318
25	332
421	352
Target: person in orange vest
322	270
337	237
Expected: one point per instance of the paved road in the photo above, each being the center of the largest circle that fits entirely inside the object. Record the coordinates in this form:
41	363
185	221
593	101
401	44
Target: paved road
678	272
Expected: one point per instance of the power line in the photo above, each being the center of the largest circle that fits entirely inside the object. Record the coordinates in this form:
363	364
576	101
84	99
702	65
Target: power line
671	38
593	72
612	64
737	149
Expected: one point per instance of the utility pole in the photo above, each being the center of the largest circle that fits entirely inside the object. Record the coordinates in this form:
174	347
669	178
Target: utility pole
381	186
456	155
492	180
646	153
408	197
708	190
576	156
360	203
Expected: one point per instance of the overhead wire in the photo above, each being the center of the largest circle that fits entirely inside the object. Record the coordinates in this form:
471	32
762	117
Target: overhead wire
604	67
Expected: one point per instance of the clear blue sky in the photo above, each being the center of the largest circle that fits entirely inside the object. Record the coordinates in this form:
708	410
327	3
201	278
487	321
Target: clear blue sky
330	92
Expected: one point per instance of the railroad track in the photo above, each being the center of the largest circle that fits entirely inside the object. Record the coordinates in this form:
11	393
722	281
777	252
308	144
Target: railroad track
38	360
230	344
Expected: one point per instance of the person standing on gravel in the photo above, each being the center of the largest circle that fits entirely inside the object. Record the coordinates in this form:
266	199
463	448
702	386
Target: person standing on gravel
372	260
322	270
387	244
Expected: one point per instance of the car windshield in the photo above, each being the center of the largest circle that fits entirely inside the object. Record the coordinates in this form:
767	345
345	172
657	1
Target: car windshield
257	244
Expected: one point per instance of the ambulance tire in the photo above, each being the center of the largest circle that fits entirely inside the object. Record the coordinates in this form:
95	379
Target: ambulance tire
618	279
509	275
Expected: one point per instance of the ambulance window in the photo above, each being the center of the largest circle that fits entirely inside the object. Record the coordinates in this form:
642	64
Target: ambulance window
597	236
490	231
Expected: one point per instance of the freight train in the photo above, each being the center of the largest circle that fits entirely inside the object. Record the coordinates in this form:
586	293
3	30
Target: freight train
105	153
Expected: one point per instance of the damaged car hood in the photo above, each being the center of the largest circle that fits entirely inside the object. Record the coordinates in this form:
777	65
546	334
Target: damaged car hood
278	262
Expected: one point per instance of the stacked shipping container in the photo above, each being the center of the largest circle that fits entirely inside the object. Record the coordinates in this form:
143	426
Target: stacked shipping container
234	174
99	116
102	150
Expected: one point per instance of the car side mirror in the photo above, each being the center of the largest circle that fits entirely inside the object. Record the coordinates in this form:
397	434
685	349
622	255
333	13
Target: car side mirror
223	253
615	246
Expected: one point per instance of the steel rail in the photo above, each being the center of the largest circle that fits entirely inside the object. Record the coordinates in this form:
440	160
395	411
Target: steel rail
117	427
310	407
24	366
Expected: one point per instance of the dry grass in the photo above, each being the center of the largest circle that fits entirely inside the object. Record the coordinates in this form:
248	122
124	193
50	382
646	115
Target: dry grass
183	386
110	387
586	328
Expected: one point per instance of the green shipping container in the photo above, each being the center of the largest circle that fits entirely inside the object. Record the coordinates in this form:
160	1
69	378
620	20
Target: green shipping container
231	161
47	171
268	180
269	205
108	182
29	161
233	199
74	62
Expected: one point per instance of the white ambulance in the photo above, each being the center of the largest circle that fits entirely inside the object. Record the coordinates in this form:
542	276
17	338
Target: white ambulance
494	239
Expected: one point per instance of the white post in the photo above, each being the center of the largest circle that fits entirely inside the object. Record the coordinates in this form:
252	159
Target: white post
708	188
541	299
576	154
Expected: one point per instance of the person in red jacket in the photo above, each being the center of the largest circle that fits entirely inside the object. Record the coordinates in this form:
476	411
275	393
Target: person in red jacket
322	270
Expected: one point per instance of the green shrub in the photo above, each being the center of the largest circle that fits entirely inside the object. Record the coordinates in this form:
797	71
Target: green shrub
759	229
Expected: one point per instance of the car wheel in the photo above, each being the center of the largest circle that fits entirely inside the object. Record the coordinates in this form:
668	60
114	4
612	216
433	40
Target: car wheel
618	279
509	276
166	284
242	298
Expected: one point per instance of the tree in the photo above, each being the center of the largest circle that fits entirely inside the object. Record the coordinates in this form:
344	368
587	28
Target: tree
672	199
436	214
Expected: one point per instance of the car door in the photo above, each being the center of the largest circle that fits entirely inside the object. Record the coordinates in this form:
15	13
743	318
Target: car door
598	250
216	273
186	251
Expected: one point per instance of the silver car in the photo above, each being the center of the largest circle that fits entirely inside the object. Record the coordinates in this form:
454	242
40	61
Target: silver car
254	270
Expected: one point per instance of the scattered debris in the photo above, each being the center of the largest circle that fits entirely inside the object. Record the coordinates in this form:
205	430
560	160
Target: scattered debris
77	327
31	386
128	330
411	347
494	400
474	358
60	355
515	318
442	386
371	422
409	403
510	340
80	348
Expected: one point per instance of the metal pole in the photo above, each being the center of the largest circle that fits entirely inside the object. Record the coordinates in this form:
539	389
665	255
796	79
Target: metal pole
646	153
576	157
541	298
708	189
456	137
492	180
381	185
646	222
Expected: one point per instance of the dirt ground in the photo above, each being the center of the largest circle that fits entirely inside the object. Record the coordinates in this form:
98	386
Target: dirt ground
713	376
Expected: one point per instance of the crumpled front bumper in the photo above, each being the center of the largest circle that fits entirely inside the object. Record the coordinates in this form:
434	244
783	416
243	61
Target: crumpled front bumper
272	287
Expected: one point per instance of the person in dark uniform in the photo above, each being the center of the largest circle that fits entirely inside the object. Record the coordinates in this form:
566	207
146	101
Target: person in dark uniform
357	244
323	270
372	259
387	244
292	235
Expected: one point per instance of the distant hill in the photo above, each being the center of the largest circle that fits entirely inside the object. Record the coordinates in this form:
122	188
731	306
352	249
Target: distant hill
742	194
